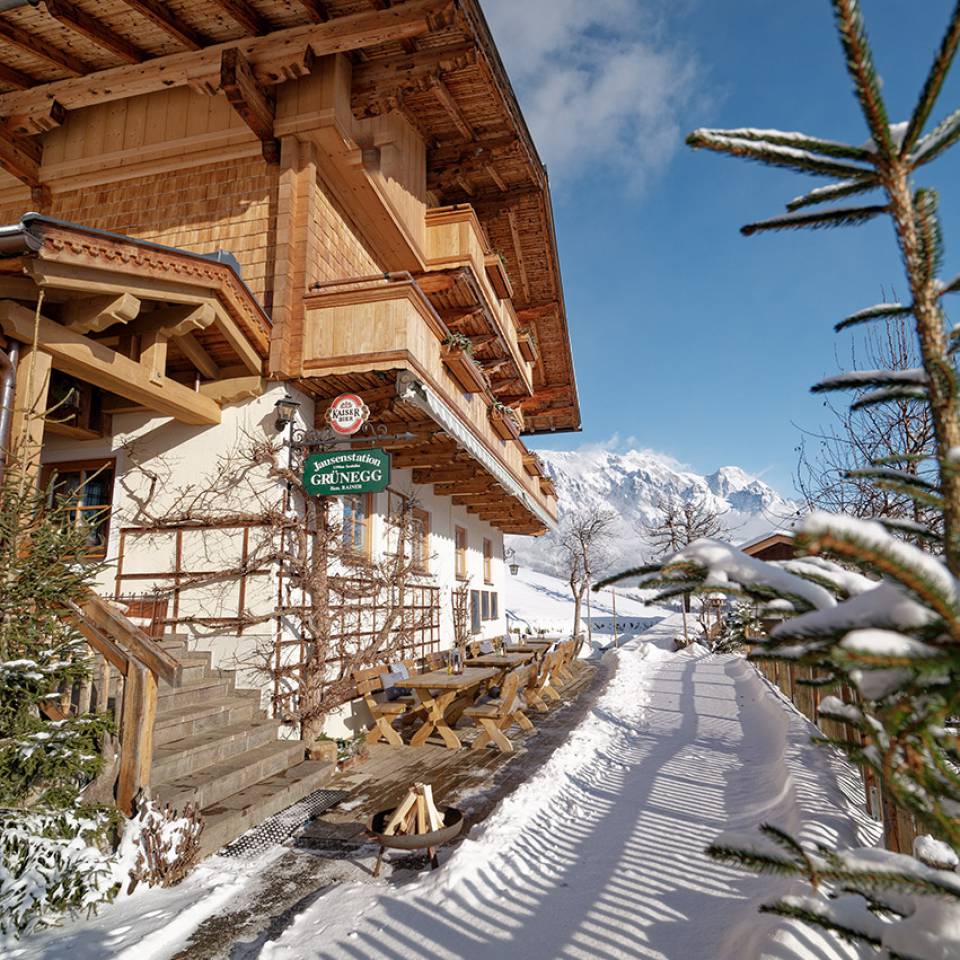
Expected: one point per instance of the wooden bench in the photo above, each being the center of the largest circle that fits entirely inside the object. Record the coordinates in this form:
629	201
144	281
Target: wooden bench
540	684
497	716
383	712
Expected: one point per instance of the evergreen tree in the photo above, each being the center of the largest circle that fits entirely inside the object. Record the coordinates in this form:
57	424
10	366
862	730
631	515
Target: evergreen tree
50	839
891	632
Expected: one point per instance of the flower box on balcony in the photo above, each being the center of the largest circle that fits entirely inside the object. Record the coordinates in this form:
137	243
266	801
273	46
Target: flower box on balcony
528	346
533	465
504	424
497	275
462	368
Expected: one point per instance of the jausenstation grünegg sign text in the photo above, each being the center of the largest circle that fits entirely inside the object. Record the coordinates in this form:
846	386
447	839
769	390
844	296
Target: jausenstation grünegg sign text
346	471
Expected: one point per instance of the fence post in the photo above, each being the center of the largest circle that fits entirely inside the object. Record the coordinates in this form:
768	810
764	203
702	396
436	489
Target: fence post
136	734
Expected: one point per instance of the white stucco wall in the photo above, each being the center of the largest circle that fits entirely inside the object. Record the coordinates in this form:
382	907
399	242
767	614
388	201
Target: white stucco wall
177	456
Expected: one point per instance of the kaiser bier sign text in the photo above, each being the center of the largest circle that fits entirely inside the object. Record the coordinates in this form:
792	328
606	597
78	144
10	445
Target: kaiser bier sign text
346	471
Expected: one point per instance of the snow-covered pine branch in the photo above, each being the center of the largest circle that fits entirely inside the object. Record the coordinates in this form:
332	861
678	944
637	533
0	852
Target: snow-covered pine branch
773	154
881	311
842	217
854	187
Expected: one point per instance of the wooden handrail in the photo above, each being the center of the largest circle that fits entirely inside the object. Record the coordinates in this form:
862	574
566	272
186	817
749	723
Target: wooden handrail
140	660
129	636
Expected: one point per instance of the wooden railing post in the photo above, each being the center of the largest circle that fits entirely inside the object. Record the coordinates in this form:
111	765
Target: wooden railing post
136	734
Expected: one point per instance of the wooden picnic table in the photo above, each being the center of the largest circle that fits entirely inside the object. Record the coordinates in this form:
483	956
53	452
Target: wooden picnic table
435	691
501	661
534	648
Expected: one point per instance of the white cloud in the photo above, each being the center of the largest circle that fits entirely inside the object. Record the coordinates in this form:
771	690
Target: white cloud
599	82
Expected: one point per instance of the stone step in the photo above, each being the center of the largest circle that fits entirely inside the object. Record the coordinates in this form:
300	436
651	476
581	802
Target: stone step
237	813
180	721
191	668
178	758
194	691
204	787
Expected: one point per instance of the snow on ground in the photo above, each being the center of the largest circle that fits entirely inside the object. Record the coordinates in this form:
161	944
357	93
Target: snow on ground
148	925
600	854
539	601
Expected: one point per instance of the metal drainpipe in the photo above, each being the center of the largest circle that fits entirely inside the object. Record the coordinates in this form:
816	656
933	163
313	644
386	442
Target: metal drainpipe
8	379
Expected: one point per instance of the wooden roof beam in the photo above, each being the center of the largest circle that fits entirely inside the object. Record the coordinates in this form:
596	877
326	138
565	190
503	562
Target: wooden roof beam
443	95
449	474
97	364
316	10
164	19
518	253
93	314
387	76
245	15
18	37
254	104
175	321
20	156
199	357
266	55
94	30
484	485
408	43
37	123
17	79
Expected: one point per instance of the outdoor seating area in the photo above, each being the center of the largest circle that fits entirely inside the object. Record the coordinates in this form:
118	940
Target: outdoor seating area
415	702
476	776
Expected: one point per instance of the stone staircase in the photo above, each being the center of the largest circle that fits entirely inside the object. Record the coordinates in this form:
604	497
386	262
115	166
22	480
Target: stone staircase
216	749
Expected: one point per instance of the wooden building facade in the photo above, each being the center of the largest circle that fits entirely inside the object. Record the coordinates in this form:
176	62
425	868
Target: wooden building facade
206	206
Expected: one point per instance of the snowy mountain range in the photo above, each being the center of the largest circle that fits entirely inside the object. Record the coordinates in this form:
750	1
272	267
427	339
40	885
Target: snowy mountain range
631	484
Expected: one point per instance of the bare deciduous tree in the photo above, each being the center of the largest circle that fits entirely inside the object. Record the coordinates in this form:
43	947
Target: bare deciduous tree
678	523
583	540
898	434
343	608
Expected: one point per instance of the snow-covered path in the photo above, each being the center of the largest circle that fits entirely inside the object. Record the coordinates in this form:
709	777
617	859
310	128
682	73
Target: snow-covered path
600	855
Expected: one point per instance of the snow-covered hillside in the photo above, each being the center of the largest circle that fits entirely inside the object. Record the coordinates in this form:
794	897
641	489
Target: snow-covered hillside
539	601
631	484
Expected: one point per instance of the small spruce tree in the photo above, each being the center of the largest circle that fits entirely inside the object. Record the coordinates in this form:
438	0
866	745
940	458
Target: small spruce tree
50	838
891	633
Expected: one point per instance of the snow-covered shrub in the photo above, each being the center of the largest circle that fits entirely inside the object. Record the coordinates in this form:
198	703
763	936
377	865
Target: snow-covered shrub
884	621
50	864
740	627
166	842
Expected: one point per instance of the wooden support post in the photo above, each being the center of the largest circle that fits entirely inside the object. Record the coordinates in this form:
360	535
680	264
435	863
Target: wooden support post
29	407
294	241
153	356
136	734
197	356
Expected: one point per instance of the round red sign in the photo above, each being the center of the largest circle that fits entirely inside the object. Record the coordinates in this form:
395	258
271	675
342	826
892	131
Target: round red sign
347	414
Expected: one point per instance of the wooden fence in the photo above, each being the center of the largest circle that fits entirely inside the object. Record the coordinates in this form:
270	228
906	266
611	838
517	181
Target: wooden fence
899	826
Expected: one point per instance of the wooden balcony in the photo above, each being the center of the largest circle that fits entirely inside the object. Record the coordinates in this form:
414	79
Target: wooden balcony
364	334
478	305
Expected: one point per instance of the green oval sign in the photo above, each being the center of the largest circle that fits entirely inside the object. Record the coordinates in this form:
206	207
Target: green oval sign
346	471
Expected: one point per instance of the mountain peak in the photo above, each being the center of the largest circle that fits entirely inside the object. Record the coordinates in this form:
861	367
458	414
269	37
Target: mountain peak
633	483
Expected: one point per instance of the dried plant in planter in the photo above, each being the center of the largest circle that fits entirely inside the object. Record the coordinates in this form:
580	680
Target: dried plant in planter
168	843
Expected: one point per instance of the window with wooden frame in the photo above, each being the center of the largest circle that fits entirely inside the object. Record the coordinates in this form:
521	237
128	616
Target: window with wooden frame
487	560
87	487
485	605
418	530
494	605
460	546
476	624
357	508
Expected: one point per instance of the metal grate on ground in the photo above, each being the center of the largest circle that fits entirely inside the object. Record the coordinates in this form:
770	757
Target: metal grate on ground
281	826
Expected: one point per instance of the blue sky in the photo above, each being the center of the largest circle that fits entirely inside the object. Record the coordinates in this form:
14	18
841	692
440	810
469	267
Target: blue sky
688	338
